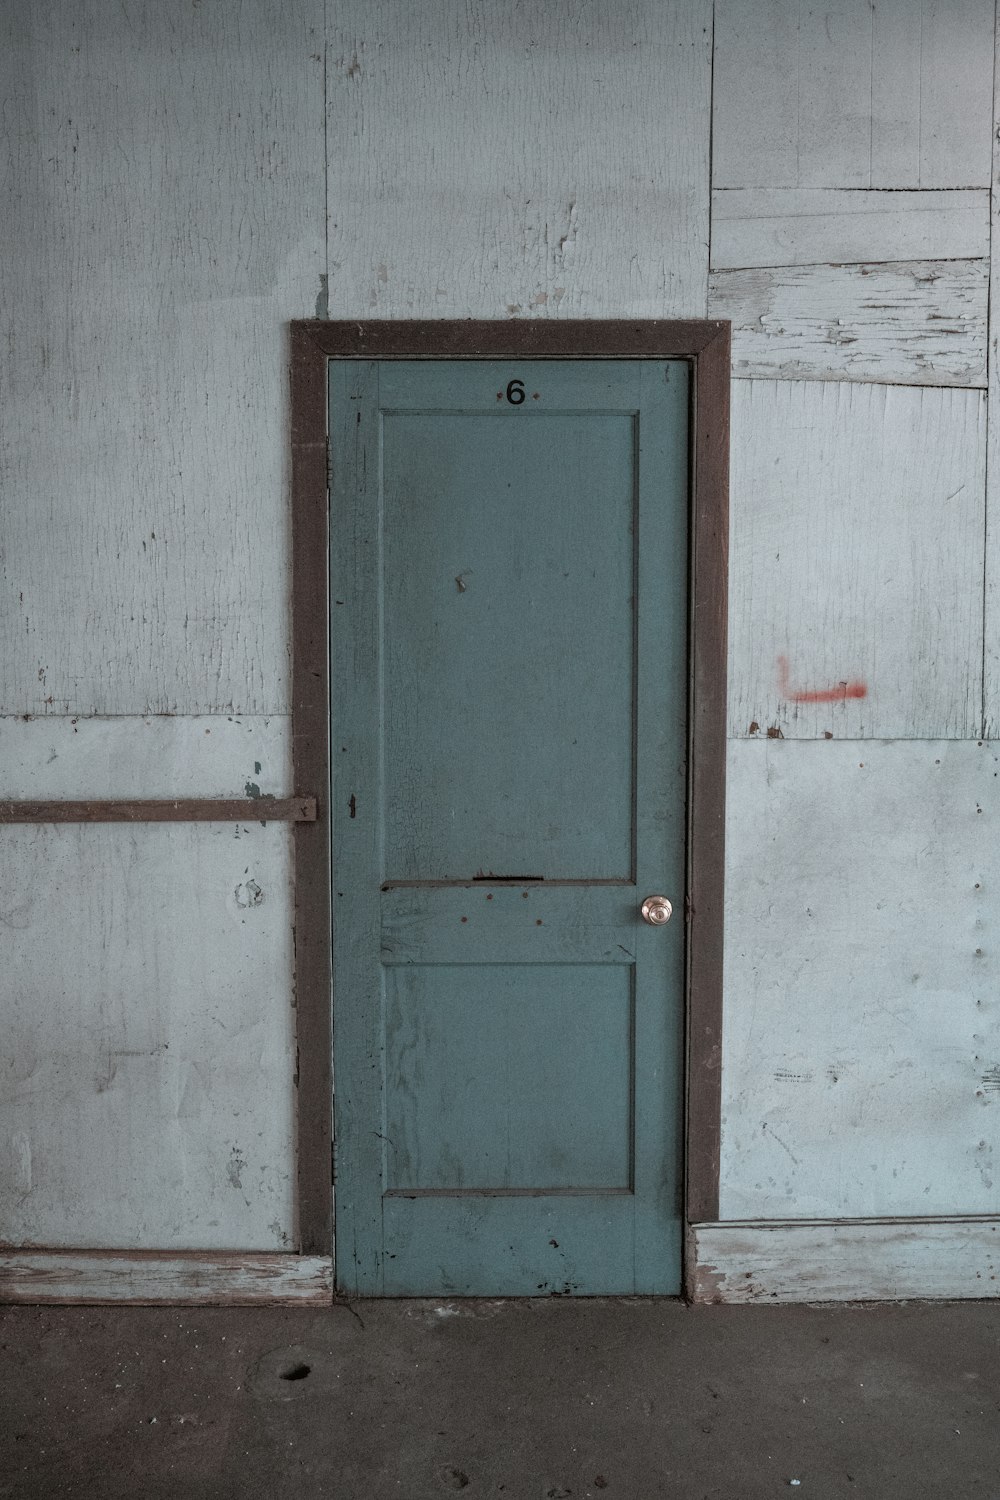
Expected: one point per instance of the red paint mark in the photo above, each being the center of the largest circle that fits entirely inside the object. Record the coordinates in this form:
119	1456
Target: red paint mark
841	692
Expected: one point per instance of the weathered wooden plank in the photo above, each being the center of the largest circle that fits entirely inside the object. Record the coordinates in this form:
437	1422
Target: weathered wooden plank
867	1260
931	88
897	45
861	1055
834	120
211	755
852	95
991	643
235	1280
755	94
857	556
920	323
172	810
166	192
956	93
147	1097
311	768
533	162
820	226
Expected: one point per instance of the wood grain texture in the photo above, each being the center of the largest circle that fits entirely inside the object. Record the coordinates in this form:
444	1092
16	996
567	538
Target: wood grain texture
853	1261
166	181
529	162
707	796
147	1090
851	94
917	323
991	613
311	767
39	1277
167	756
861	1068
317	340
163	810
931	82
857	555
835	120
821	226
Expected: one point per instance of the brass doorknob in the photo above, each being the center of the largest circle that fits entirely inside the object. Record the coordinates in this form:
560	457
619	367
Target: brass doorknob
656	910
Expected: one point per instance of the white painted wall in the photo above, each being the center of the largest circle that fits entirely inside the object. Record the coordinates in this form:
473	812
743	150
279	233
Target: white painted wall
180	188
166	218
148	1100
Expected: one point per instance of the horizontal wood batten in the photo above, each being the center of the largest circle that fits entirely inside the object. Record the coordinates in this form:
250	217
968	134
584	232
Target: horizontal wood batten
845	1260
146	1278
167	810
835	226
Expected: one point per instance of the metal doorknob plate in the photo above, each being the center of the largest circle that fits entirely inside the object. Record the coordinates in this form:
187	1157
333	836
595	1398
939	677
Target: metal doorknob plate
656	910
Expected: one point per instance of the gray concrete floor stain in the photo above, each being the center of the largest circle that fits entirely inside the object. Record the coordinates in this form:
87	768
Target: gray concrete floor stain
519	1400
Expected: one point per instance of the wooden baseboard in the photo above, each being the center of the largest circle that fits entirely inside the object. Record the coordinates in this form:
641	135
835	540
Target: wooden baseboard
146	1278
845	1260
797	1260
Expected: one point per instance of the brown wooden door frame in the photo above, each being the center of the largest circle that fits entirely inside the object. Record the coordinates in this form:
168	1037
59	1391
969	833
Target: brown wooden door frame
706	345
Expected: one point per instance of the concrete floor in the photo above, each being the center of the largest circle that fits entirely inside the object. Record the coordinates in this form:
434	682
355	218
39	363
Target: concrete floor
616	1400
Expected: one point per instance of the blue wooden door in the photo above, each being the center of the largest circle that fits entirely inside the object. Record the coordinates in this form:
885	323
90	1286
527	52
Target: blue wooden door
509	687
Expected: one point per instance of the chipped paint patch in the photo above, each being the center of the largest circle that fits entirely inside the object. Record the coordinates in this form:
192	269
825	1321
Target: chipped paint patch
248	894
235	1168
279	1233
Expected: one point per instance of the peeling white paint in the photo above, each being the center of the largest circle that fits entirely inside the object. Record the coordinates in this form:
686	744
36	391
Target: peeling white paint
916	323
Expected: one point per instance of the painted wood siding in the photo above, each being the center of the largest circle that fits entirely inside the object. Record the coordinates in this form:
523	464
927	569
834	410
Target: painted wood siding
817	111
861	1060
149	1055
856	561
166	217
991	654
510	161
165	171
916	323
214	755
828	226
853	94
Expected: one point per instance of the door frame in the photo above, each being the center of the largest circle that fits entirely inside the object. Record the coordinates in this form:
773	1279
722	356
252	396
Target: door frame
705	345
